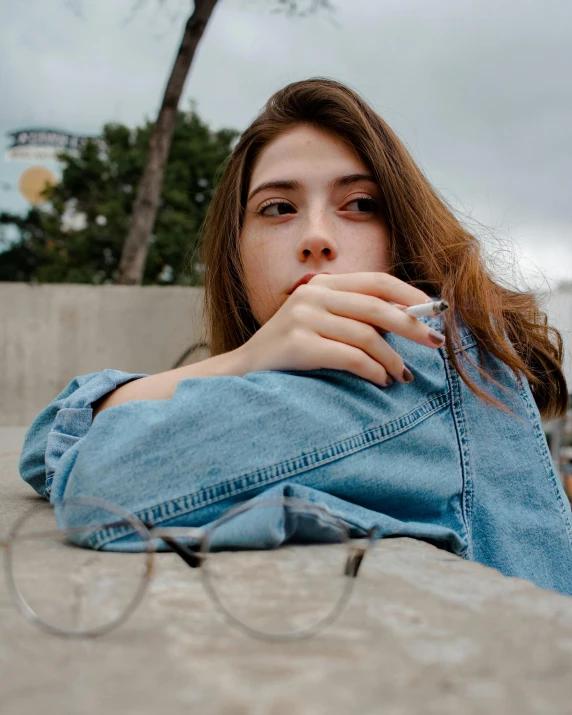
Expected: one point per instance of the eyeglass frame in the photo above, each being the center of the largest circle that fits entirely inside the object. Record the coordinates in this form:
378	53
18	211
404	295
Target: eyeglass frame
195	557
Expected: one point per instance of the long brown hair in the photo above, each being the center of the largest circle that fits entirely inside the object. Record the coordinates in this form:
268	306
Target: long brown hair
429	247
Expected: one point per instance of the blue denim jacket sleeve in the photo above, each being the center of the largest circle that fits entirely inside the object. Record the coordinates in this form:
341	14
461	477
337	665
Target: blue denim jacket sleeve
62	424
426	459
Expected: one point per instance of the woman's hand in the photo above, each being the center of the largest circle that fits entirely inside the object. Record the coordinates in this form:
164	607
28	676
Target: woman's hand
334	321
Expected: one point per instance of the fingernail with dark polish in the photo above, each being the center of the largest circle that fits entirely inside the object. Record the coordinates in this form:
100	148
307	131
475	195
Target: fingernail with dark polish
389	381
407	375
436	338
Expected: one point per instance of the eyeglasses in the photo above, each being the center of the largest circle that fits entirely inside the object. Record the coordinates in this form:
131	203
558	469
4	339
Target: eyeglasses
62	580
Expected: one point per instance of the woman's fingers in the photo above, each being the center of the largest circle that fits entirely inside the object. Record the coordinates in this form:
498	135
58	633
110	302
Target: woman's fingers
376	312
370	343
341	356
378	285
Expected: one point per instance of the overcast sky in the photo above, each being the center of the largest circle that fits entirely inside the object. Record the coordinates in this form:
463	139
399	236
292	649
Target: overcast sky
479	90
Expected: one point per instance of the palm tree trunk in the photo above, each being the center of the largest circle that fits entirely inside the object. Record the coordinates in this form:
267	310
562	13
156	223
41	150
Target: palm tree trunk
146	203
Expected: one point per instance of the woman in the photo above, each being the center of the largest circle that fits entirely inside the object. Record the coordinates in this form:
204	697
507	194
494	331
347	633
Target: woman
321	386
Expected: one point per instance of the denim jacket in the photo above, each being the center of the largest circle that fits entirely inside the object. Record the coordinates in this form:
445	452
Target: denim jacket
427	459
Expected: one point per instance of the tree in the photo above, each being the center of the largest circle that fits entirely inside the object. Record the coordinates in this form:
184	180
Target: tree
145	206
78	236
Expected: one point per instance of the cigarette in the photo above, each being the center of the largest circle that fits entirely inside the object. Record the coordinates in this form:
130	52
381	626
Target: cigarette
425	309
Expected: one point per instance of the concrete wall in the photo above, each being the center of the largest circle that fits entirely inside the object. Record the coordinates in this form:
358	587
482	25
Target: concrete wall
49	333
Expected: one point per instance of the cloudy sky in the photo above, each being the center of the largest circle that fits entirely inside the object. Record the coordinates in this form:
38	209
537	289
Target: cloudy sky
479	90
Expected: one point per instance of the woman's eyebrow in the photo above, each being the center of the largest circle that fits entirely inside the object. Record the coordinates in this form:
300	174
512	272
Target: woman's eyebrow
283	184
290	185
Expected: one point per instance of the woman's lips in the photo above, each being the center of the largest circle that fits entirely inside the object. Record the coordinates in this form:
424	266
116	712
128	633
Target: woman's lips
307	278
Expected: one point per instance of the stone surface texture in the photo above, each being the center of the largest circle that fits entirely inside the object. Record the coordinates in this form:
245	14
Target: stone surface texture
424	632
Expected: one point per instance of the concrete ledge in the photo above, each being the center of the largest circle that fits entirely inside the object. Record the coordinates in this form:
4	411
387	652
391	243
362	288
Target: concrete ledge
424	632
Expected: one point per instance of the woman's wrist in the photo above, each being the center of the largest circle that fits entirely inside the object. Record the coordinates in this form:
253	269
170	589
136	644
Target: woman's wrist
231	363
163	385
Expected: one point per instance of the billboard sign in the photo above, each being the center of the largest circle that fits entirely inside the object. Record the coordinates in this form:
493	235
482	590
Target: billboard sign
41	144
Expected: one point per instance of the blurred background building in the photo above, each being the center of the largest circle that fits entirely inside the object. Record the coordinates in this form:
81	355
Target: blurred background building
559	432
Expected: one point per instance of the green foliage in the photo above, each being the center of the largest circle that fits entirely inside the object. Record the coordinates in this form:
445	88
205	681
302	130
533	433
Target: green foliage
101	183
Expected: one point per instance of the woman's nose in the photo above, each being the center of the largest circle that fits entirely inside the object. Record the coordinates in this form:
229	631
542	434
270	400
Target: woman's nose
317	240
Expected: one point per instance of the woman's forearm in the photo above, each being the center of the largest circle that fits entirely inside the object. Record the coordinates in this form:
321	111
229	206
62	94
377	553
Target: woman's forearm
162	386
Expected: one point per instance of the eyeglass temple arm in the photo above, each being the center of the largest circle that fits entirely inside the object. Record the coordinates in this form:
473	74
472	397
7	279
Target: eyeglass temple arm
185	552
356	557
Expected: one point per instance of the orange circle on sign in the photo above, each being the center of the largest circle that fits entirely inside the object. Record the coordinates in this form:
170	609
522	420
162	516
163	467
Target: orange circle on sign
33	181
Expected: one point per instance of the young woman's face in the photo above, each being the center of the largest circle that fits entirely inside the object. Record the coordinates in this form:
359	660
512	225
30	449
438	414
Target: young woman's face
311	208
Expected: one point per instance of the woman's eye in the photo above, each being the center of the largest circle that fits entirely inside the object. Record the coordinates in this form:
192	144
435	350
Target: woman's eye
362	205
278	208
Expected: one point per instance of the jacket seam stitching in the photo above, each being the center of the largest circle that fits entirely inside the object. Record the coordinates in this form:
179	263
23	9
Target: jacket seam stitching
468	341
460	429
